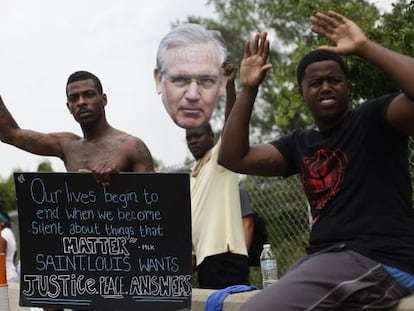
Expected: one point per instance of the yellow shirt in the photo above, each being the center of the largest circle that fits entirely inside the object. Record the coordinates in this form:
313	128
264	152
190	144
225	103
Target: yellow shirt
215	209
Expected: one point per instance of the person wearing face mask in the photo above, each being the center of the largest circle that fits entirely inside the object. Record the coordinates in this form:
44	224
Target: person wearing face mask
189	75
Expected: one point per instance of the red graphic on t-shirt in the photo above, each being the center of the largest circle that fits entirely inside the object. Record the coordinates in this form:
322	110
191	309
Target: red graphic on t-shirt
322	177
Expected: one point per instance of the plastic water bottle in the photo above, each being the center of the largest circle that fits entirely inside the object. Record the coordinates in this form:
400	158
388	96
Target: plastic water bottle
268	266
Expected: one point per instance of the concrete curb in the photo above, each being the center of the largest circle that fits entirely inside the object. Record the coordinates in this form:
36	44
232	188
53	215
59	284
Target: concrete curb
199	297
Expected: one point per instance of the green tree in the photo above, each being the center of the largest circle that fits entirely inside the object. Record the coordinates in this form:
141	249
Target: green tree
279	108
7	194
45	166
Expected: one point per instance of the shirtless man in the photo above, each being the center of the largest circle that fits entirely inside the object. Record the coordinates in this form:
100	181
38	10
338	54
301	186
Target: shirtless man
102	150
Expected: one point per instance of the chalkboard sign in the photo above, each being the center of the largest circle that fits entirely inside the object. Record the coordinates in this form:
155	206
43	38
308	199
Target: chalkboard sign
86	246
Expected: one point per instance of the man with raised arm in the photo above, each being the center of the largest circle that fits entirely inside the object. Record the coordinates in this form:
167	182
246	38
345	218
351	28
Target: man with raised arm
354	170
102	150
220	253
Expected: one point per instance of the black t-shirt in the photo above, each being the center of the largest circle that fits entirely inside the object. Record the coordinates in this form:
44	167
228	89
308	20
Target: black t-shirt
356	178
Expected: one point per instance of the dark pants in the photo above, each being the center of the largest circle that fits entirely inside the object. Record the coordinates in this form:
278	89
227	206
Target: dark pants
331	281
223	270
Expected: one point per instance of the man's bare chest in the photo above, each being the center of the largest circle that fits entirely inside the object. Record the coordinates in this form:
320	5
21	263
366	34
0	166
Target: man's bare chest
89	156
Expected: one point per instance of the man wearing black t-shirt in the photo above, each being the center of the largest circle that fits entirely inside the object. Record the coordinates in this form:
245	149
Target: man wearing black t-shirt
354	171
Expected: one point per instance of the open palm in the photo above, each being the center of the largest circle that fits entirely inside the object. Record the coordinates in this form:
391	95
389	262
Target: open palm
335	27
254	64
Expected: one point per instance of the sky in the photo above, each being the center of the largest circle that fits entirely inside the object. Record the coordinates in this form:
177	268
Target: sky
43	41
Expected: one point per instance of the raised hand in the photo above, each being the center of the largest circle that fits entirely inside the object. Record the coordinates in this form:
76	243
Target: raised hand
230	71
346	35
254	65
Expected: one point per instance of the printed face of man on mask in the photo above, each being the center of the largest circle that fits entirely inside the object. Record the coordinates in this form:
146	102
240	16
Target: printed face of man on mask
190	80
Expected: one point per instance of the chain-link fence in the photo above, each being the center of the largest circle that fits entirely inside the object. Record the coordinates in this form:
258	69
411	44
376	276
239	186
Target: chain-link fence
283	205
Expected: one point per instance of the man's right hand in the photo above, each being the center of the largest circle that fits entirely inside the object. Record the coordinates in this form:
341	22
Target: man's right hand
254	64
